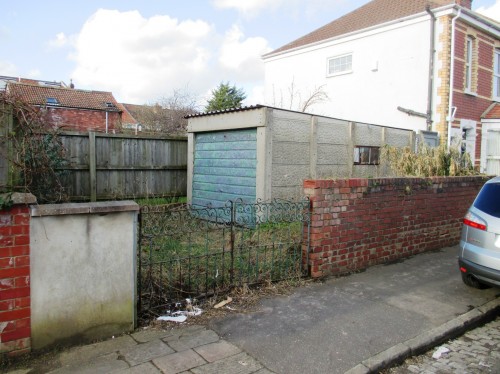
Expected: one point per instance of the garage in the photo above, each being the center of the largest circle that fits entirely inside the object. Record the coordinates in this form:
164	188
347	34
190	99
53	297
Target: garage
224	167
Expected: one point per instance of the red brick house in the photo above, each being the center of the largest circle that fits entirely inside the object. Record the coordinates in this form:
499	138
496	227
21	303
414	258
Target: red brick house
68	108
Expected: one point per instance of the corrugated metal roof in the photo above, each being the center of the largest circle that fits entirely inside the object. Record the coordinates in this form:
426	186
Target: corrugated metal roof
232	110
63	97
374	13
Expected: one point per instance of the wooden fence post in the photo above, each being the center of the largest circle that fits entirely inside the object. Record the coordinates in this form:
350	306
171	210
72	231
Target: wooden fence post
92	167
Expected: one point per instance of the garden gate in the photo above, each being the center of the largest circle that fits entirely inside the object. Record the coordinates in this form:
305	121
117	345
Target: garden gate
192	252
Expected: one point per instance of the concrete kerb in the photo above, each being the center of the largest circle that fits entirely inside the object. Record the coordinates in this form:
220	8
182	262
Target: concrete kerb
429	339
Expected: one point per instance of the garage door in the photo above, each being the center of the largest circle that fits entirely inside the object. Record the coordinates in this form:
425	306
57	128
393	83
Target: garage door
224	167
493	152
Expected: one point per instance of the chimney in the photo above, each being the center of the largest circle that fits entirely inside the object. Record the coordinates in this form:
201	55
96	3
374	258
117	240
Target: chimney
464	3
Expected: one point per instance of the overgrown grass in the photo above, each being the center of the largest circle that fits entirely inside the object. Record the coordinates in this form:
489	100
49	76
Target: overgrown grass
191	257
152	201
427	161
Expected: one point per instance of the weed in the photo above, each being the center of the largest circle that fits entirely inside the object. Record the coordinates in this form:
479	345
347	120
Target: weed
427	161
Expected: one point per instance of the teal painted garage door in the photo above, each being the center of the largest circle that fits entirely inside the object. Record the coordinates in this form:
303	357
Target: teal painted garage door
224	167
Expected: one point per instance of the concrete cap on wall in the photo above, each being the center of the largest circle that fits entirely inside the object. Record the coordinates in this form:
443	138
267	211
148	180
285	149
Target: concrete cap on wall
101	207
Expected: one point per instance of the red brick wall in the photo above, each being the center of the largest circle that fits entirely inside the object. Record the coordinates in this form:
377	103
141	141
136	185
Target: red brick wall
15	326
472	106
357	223
82	120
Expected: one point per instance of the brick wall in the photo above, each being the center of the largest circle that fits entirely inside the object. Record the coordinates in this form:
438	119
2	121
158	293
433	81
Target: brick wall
357	223
82	120
15	311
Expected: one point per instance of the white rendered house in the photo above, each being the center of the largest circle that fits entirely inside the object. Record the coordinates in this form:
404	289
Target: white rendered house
389	63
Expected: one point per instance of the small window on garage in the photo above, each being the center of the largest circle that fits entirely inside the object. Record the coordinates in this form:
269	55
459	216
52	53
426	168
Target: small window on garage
366	155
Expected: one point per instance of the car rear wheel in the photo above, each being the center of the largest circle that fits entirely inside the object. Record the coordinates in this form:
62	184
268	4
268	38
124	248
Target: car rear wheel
472	281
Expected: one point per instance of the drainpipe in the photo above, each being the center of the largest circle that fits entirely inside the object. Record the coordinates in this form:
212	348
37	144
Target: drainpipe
107	122
431	68
451	110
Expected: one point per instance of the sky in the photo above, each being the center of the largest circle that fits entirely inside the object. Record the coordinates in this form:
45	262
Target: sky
145	50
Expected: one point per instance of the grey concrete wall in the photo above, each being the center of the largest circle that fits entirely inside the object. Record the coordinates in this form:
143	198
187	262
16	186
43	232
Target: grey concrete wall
291	152
334	156
310	147
83	271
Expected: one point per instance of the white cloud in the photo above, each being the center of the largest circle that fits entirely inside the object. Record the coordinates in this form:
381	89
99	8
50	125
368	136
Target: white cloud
61	40
140	59
248	7
34	73
4	33
143	59
492	11
240	54
9	69
293	8
255	95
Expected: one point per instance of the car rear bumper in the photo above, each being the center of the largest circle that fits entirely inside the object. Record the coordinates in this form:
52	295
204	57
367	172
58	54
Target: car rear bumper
482	273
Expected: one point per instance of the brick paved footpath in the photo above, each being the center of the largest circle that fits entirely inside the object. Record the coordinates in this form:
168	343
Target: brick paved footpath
193	349
477	351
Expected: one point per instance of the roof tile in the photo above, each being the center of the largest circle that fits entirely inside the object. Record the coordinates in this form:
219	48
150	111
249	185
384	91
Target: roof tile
371	14
66	97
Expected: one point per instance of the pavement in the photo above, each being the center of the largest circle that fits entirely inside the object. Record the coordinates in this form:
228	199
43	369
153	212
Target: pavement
361	323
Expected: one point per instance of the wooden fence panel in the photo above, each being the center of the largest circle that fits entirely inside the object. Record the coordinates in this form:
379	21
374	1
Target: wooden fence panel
104	166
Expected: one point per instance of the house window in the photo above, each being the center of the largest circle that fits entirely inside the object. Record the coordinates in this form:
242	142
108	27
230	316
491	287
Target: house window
468	64
496	76
52	101
340	65
366	155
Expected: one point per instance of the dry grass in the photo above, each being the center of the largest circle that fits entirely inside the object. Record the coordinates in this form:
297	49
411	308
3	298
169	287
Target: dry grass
427	161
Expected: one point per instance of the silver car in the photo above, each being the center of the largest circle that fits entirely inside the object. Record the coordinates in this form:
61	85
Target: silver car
479	258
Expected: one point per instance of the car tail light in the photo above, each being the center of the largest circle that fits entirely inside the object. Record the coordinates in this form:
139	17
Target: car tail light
474	221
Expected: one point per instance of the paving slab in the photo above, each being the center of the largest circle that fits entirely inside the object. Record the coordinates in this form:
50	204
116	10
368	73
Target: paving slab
103	364
149	334
192	340
179	362
217	351
145	352
241	363
146	368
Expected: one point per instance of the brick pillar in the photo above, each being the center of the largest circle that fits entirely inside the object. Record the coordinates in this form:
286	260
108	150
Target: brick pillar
15	311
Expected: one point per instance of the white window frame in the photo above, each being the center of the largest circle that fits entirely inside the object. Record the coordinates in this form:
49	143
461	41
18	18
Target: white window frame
468	63
347	70
496	75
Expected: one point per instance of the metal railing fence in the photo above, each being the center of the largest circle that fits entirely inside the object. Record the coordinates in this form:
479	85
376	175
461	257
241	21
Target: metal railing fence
195	252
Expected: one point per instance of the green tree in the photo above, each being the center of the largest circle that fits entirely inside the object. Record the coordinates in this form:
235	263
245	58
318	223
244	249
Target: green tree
225	97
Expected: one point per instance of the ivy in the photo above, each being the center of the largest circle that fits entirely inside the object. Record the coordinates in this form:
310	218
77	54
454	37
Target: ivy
36	157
